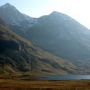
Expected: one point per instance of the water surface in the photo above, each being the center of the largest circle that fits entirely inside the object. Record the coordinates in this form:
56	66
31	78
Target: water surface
66	77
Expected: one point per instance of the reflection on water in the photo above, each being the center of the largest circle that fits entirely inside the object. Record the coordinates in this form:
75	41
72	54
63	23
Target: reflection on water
66	77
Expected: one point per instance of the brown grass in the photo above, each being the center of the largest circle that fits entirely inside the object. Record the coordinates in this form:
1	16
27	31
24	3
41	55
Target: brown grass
45	85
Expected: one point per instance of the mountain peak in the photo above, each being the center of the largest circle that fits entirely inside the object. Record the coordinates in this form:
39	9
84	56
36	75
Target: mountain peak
54	13
7	5
11	15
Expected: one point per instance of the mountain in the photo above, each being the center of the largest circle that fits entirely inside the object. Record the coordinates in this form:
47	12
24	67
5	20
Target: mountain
62	36
20	56
61	45
15	19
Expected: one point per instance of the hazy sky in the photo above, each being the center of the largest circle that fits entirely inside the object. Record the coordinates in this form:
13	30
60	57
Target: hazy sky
78	9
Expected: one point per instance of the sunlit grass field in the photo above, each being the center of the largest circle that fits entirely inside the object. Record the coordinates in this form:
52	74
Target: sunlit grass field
8	84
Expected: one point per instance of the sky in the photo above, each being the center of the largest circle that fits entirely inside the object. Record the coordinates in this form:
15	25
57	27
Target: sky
77	9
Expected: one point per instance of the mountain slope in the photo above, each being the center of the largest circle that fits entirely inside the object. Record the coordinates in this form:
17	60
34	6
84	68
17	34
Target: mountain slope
15	19
19	55
56	33
61	35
